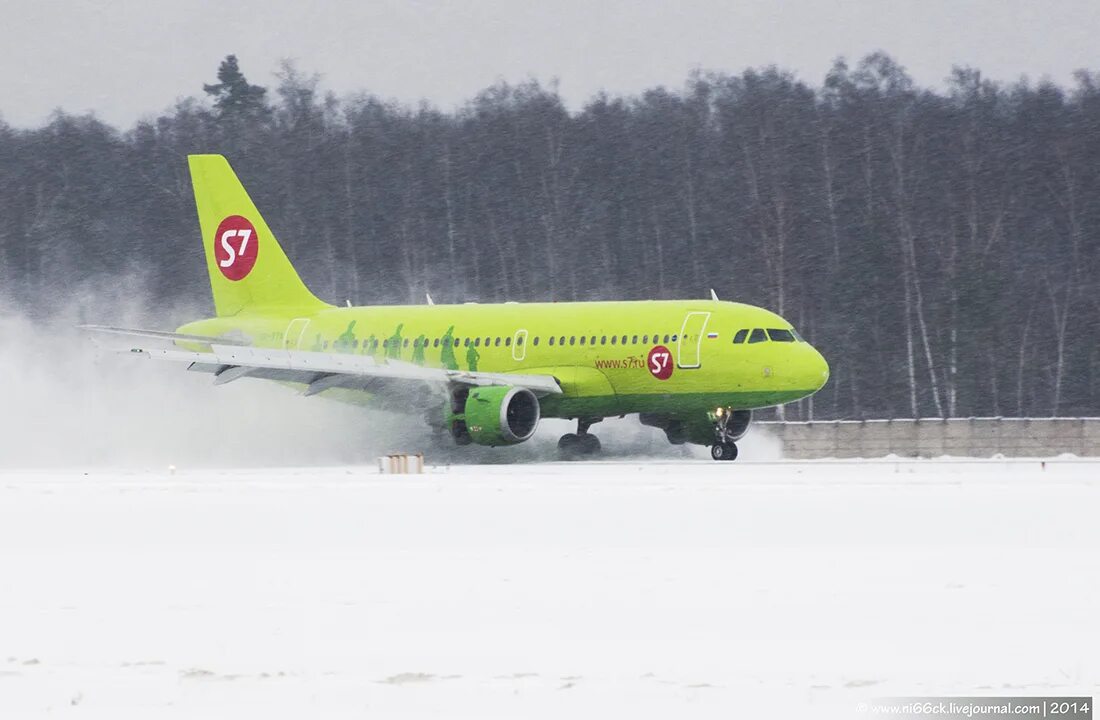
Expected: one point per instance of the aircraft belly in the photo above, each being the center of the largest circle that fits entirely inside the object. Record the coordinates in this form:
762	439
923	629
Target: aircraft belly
670	403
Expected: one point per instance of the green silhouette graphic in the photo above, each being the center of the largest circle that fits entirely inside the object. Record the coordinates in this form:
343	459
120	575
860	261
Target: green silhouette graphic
418	350
472	356
447	356
393	344
345	341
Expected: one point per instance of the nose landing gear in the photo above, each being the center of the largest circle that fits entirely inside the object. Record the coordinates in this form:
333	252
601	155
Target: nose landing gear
724	447
580	443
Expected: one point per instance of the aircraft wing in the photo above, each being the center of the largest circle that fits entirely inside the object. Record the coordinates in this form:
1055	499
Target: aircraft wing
161	335
321	371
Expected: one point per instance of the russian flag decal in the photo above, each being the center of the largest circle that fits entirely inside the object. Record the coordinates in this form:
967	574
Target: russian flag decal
712	336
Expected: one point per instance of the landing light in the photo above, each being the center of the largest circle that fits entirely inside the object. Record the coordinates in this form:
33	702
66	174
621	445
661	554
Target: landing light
719	412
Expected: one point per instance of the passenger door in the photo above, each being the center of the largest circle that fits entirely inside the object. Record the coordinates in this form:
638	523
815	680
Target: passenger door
689	345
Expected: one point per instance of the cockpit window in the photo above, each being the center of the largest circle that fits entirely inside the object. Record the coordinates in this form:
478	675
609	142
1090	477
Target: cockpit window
740	337
778	335
797	337
757	336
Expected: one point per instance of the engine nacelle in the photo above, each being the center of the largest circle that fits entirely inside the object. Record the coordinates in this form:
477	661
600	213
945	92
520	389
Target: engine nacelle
494	416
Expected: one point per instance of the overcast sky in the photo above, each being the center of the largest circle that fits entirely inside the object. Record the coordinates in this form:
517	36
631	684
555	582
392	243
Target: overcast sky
124	60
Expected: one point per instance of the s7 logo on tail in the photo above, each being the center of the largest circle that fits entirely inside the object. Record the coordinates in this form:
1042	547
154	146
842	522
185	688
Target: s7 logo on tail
235	247
244	235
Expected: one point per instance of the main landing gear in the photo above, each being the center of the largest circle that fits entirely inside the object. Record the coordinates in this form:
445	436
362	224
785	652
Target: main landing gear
581	442
724	447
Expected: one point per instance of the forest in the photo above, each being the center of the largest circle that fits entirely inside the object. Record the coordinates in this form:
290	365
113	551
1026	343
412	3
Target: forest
940	246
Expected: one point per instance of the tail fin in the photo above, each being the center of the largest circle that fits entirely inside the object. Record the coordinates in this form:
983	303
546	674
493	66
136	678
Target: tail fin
248	269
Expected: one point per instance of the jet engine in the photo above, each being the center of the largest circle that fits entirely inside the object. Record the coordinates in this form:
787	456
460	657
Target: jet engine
493	415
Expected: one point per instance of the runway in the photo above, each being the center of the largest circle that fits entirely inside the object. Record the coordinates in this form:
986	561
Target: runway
653	589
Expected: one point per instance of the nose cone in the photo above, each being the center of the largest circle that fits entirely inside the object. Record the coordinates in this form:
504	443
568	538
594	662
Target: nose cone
819	369
810	370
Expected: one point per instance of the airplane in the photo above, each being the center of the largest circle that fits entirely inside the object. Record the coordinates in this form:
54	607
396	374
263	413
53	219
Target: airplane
482	373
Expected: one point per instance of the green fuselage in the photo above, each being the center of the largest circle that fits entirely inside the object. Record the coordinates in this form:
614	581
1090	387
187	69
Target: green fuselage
609	357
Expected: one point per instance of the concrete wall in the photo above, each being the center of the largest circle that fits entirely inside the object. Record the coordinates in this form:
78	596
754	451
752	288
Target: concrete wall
964	437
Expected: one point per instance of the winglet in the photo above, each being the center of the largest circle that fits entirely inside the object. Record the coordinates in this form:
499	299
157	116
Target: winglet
429	296
713	295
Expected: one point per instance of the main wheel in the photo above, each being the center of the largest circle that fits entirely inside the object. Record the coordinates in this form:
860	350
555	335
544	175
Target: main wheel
570	444
723	451
573	445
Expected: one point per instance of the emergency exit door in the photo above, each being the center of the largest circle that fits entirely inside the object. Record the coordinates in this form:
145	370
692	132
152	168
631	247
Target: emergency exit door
295	331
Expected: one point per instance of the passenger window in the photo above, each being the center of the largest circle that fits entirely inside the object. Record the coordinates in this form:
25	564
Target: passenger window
593	339
507	342
666	338
477	342
561	340
624	339
551	340
488	340
582	340
757	336
780	335
634	341
573	339
645	339
740	337
497	342
536	341
673	338
613	338
603	340
519	340
465	342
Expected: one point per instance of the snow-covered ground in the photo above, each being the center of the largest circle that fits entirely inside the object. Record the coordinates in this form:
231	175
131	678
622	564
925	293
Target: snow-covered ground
662	589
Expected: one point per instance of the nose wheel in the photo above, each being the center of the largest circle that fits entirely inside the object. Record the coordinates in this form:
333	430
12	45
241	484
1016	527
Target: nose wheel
724	451
724	447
